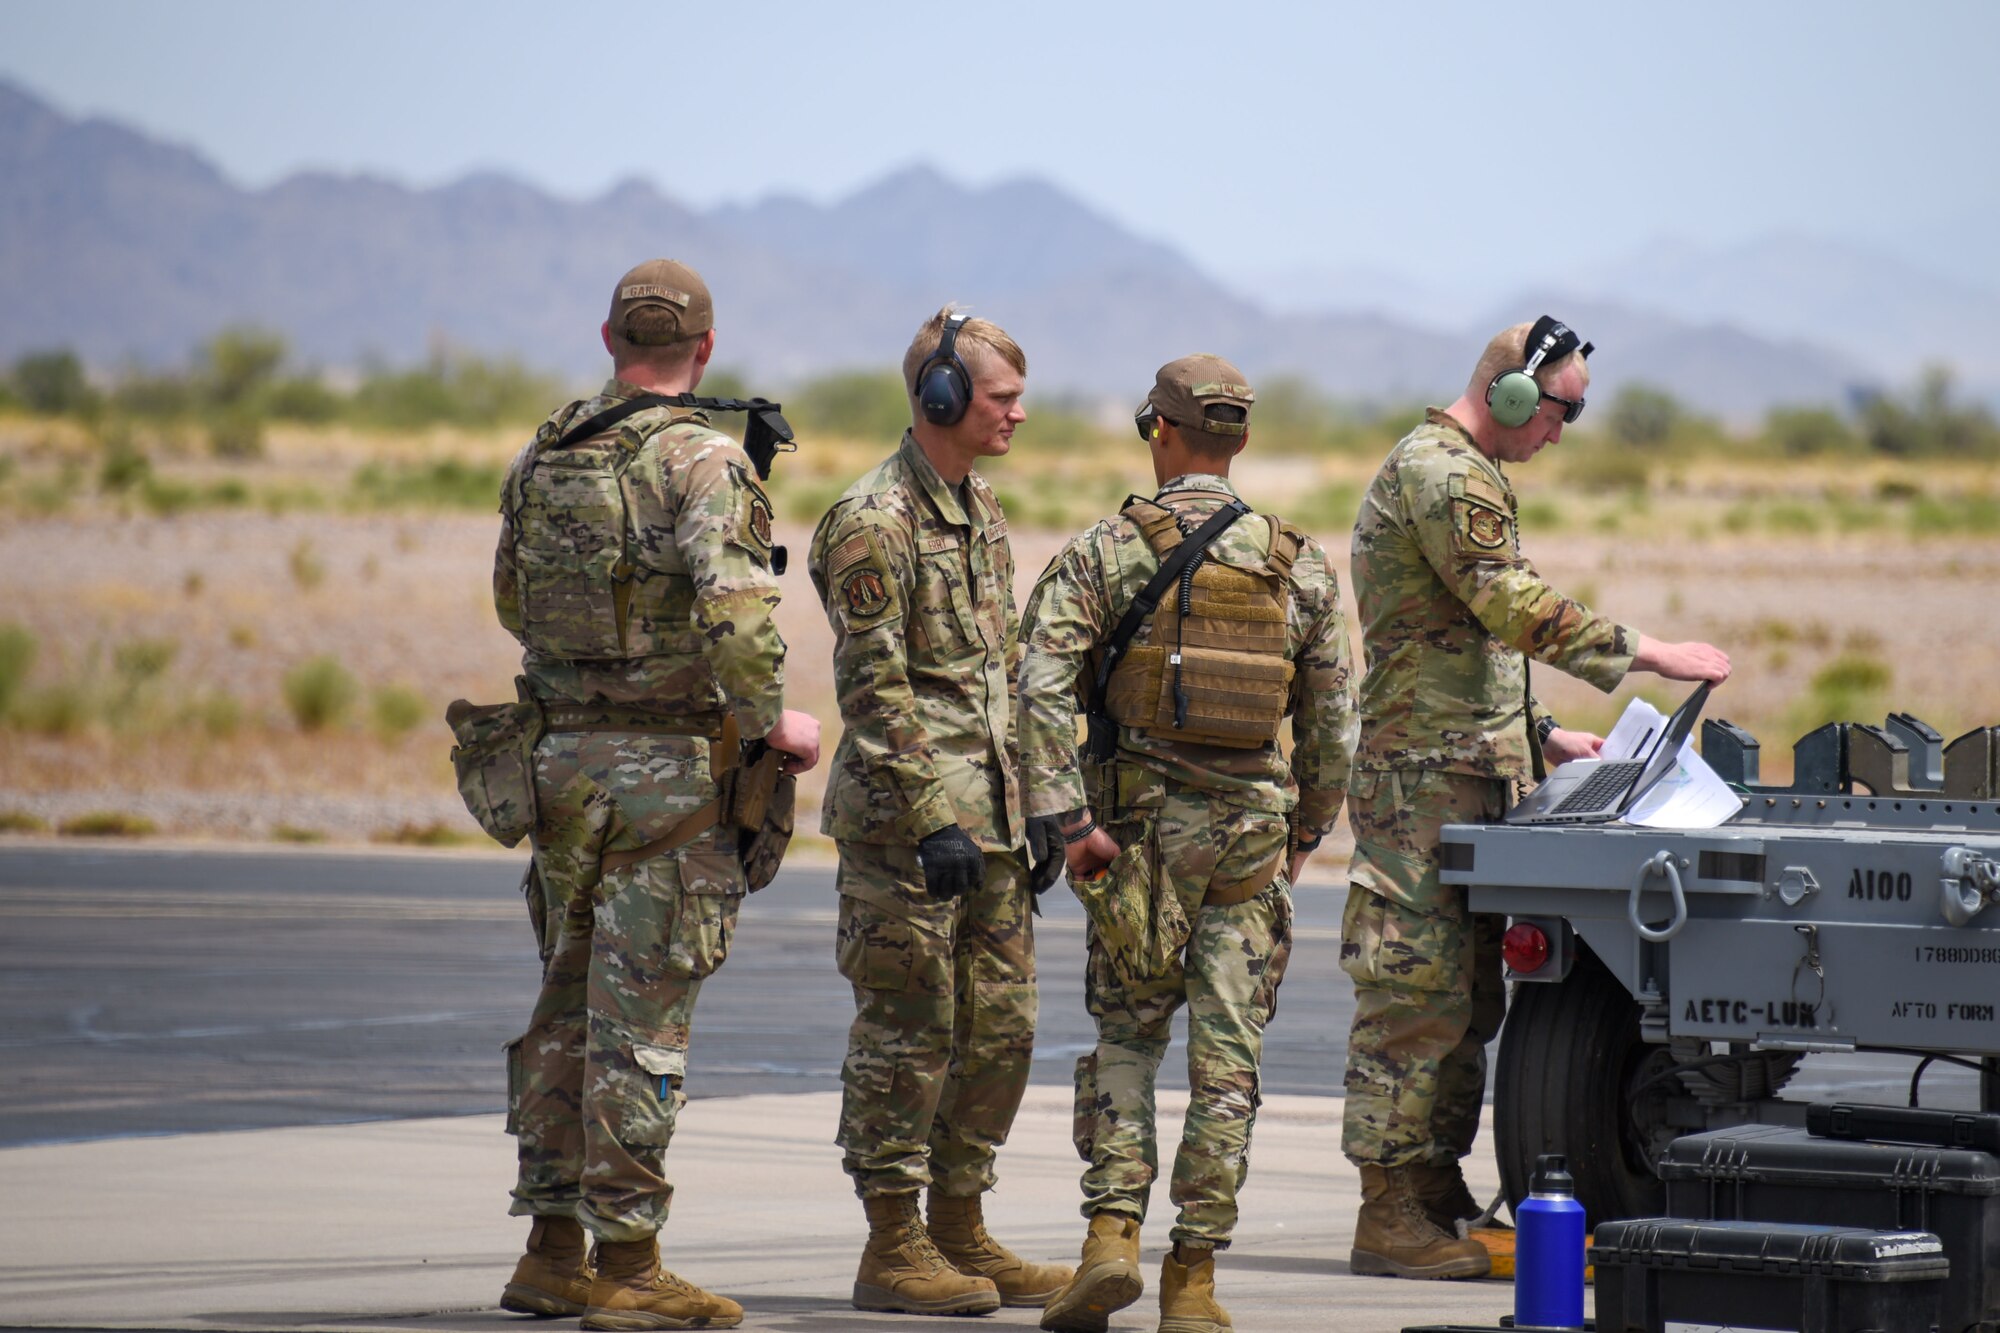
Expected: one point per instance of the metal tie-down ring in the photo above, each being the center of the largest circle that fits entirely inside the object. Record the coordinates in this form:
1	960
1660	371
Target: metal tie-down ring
1659	863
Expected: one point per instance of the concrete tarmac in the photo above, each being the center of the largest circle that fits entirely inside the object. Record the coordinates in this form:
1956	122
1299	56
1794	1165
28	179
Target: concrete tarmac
401	1226
184	1031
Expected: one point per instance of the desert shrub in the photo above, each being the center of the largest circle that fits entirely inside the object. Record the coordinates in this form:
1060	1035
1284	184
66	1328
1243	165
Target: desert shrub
20	821
294	833
399	710
235	434
141	661
218	713
1852	673
107	824
17	657
862	405
1804	432
53	383
433	834
164	497
446	483
124	464
1602	471
318	692
1642	417
1329	510
1795	520
65	708
1954	515
308	570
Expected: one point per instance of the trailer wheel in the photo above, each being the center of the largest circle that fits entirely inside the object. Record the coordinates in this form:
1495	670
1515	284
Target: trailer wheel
1573	1078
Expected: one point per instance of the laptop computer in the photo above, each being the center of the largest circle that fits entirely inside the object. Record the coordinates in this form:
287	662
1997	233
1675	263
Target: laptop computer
1597	791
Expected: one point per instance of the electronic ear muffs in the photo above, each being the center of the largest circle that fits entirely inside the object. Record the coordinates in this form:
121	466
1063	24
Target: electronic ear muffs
1513	396
944	385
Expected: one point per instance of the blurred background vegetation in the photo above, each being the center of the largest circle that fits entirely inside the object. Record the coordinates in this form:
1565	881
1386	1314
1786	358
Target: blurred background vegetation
243	380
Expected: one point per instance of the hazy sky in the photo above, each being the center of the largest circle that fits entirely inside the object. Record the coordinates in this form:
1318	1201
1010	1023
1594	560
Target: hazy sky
1449	142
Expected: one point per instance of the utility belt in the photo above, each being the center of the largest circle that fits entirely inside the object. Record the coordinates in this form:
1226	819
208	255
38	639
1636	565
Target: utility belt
1137	917
495	766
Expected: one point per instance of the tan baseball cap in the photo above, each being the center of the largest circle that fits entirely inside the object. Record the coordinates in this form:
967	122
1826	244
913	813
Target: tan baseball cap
663	284
1186	388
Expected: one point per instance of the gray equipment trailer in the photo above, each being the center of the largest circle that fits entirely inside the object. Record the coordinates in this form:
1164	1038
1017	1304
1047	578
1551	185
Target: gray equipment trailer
1689	972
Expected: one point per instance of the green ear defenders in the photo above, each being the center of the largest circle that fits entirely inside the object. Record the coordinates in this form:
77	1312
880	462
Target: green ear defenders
1513	395
944	385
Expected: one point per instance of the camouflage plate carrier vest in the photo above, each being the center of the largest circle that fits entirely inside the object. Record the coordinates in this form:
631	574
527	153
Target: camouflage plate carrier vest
589	590
1215	670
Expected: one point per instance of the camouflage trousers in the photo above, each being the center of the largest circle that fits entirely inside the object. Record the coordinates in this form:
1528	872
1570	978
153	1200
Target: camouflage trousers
595	1084
1185	849
944	1022
1428	993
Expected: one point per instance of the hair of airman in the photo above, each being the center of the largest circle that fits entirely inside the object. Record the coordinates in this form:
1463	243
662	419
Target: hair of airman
1508	351
977	333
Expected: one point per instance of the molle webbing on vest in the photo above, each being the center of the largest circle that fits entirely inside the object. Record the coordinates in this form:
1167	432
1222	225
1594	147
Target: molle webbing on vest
1215	671
583	597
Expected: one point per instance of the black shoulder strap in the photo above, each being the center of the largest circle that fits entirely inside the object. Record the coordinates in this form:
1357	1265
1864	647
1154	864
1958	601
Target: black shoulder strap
1148	599
610	417
767	435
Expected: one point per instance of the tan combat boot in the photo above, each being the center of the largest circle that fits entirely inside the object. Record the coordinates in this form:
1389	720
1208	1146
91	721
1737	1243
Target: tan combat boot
958	1228
1444	1194
902	1271
632	1291
1107	1279
1393	1237
1187	1293
553	1277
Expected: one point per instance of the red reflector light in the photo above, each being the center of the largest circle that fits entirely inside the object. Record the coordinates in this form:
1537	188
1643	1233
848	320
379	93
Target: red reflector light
1525	947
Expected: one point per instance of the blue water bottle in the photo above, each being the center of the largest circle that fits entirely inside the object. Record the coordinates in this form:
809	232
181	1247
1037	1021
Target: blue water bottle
1548	1249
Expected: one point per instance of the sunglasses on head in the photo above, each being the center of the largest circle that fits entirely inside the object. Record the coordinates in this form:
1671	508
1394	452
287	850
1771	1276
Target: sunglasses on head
1147	418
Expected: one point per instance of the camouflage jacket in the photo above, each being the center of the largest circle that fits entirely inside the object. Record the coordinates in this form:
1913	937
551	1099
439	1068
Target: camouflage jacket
701	592
1448	607
1077	604
918	582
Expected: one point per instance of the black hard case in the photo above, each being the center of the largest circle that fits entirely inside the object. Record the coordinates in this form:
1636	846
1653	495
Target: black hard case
1771	1173
1657	1273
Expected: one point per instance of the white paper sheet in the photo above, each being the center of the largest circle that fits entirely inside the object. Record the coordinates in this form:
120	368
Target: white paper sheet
1691	796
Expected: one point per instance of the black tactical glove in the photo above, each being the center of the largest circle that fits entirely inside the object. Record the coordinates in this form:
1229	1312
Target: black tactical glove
952	862
1045	851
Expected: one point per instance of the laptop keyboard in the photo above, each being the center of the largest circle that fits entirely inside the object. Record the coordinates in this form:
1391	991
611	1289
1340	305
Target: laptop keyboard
1604	785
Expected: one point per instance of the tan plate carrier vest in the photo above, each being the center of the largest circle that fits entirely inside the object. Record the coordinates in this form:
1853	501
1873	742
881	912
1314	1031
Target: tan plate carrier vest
1215	670
584	593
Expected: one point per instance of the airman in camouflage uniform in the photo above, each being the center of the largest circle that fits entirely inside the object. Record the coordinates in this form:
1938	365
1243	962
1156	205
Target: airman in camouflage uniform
1450	611
1186	879
935	933
635	567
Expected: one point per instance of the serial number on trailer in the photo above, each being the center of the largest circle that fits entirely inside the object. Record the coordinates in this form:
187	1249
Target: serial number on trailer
1949	954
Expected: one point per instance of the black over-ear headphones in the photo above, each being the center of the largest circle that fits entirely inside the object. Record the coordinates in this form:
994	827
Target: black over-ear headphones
944	385
1513	395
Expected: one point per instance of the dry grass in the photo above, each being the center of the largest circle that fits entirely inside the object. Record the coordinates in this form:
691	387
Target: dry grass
401	601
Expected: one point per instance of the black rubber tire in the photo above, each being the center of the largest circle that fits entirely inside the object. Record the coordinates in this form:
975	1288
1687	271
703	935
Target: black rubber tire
1569	1052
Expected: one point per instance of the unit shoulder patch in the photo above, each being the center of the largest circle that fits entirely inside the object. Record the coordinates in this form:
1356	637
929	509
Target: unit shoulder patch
757	518
858	575
1481	530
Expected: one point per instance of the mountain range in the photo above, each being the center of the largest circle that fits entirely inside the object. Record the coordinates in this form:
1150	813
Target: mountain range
131	250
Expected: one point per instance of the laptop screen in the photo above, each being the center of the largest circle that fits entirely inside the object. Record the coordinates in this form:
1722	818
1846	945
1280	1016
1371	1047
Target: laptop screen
1667	747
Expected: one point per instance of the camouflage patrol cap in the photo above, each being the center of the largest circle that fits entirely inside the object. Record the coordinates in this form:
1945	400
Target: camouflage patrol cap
663	284
1185	389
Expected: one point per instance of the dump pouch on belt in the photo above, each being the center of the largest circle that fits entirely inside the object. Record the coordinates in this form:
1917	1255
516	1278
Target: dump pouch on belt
1135	916
756	799
495	763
